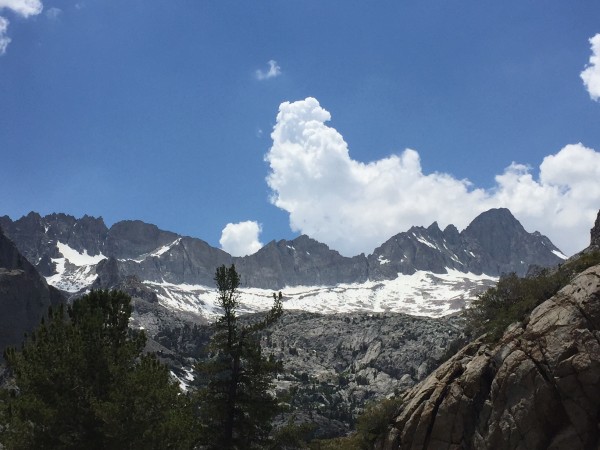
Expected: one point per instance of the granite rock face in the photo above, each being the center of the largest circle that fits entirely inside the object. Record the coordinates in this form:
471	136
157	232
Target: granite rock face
332	364
538	388
24	295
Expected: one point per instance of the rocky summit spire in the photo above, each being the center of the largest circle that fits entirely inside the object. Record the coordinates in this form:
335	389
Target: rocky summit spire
595	233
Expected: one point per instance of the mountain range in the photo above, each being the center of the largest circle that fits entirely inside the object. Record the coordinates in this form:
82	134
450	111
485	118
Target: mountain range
335	363
423	271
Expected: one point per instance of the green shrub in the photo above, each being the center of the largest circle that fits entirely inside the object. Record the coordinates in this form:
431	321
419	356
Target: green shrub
371	424
513	298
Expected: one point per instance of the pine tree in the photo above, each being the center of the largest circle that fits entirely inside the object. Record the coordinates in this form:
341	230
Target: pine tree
235	405
82	382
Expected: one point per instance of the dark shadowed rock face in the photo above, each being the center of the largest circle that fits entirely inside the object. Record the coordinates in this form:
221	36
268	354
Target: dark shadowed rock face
302	261
494	243
539	388
502	245
36	237
595	234
132	238
24	295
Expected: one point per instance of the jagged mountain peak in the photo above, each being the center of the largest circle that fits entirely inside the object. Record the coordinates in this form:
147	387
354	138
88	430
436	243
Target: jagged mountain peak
502	245
70	251
451	233
493	224
595	233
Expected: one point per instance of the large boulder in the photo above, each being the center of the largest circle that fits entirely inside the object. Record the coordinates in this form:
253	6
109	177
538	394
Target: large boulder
538	388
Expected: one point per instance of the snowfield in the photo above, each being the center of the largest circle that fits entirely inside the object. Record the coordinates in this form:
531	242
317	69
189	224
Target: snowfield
420	294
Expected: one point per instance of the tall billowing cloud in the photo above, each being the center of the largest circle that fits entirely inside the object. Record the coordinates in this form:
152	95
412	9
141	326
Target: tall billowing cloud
354	207
591	74
23	8
274	71
241	239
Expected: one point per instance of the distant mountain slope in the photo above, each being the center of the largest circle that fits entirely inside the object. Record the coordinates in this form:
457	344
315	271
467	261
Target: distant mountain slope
24	295
74	253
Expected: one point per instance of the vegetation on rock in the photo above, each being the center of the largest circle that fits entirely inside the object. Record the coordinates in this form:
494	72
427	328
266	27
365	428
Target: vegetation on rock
374	421
514	298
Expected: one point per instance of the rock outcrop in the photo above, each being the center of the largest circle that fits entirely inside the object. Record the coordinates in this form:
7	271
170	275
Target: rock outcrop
595	234
538	388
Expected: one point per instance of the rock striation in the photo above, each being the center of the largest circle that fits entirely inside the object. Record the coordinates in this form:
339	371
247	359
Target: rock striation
538	388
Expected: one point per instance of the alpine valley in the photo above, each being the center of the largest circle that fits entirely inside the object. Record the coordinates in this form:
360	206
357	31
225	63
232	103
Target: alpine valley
353	329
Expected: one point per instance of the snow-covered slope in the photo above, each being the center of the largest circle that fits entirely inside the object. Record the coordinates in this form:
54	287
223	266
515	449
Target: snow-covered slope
421	294
75	270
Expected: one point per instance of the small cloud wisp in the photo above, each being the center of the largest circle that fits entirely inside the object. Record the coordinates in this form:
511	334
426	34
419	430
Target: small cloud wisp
274	71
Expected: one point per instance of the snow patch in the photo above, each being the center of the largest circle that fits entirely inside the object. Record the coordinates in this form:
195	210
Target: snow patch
156	253
75	270
76	258
425	241
559	254
165	248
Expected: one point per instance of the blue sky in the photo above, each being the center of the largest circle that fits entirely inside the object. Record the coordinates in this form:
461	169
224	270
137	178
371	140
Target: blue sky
163	111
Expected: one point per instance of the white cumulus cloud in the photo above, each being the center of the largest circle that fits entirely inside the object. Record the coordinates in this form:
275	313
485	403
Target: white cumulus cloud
274	71
24	8
241	239
591	74
354	206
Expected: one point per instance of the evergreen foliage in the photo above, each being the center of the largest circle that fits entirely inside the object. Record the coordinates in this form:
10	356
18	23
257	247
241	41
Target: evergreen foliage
293	435
513	298
82	382
235	405
371	424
